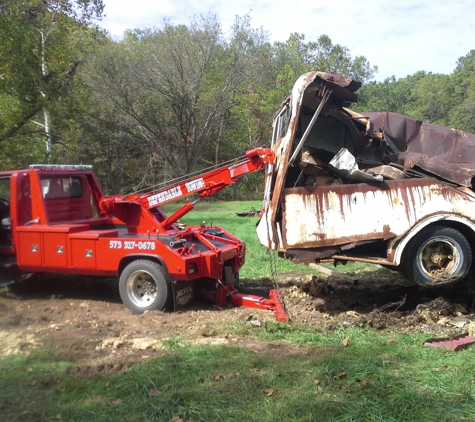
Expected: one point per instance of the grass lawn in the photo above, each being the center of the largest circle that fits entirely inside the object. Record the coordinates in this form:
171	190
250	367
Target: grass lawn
301	373
375	378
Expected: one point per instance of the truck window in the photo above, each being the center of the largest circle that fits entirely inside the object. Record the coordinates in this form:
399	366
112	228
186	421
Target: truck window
5	219
24	200
5	189
62	187
67	198
281	123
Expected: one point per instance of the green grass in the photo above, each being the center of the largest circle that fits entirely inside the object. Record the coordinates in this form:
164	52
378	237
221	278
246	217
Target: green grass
369	380
302	373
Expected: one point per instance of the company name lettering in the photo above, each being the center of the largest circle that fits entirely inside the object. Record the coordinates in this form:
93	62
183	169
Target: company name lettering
164	196
195	184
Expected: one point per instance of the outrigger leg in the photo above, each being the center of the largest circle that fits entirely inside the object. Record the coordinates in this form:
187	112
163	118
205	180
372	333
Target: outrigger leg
274	303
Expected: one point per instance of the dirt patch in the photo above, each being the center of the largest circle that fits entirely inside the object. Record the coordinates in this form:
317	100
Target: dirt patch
84	319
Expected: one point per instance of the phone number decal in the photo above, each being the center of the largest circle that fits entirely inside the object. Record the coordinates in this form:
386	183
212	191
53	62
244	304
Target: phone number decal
131	244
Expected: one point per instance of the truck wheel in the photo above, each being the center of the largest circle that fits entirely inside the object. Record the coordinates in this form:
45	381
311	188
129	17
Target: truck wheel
144	287
436	256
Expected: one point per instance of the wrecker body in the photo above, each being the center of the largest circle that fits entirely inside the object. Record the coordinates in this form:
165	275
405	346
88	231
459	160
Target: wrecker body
56	219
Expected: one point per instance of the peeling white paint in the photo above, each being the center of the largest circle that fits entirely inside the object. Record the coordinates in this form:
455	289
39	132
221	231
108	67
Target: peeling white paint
328	217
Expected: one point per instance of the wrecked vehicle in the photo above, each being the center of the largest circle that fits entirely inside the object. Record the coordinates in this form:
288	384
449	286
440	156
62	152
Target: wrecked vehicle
373	187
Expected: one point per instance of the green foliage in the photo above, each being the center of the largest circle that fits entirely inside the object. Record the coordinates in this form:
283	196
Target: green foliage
327	57
41	45
433	97
389	95
462	115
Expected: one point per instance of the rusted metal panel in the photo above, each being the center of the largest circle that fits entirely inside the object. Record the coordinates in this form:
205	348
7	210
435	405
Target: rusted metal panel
443	151
309	84
343	90
454	344
337	215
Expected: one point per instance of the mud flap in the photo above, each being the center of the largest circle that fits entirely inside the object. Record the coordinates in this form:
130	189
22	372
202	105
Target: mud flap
183	294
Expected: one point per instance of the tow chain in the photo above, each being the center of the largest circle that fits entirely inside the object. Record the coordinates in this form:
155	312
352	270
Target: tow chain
273	272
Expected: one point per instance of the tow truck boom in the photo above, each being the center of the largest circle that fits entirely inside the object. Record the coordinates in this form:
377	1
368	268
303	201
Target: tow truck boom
204	185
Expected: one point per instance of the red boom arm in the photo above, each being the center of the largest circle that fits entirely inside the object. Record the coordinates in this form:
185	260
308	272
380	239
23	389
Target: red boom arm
204	185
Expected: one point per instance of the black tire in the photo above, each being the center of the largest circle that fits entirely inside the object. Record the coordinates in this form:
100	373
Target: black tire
229	277
143	286
436	256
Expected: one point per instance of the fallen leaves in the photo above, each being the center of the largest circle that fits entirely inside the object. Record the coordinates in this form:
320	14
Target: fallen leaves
319	390
345	341
342	376
441	367
257	370
115	402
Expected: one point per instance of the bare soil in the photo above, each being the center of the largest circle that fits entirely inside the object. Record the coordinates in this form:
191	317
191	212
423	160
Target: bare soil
84	320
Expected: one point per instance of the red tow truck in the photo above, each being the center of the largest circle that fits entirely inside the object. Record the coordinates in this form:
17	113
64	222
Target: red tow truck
55	219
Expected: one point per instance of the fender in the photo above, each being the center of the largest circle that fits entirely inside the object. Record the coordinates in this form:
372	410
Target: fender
132	257
396	246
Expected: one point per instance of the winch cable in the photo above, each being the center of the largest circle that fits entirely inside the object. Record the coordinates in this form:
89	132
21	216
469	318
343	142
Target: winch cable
273	266
197	173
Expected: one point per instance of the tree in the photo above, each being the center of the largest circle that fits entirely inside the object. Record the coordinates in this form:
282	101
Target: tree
462	115
323	55
392	94
295	57
432	99
42	43
173	87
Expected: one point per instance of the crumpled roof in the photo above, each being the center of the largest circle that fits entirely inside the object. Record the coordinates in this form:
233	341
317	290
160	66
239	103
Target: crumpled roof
440	150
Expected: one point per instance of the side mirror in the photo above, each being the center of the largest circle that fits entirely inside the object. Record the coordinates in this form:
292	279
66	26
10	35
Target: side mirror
6	223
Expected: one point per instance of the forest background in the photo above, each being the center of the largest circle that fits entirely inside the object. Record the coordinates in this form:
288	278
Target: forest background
173	99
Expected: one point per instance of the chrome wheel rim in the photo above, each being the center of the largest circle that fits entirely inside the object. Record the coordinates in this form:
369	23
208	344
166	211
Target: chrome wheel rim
141	288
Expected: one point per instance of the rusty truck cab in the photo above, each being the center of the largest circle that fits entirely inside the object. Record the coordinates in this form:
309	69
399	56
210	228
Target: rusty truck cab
373	187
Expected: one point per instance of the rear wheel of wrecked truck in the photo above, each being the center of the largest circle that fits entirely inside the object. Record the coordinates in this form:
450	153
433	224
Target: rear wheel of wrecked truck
436	256
143	286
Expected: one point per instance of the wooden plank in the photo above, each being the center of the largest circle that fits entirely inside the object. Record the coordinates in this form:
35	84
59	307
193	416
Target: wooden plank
332	273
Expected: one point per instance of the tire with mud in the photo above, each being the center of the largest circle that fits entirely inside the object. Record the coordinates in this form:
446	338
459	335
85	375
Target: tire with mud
143	286
438	255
